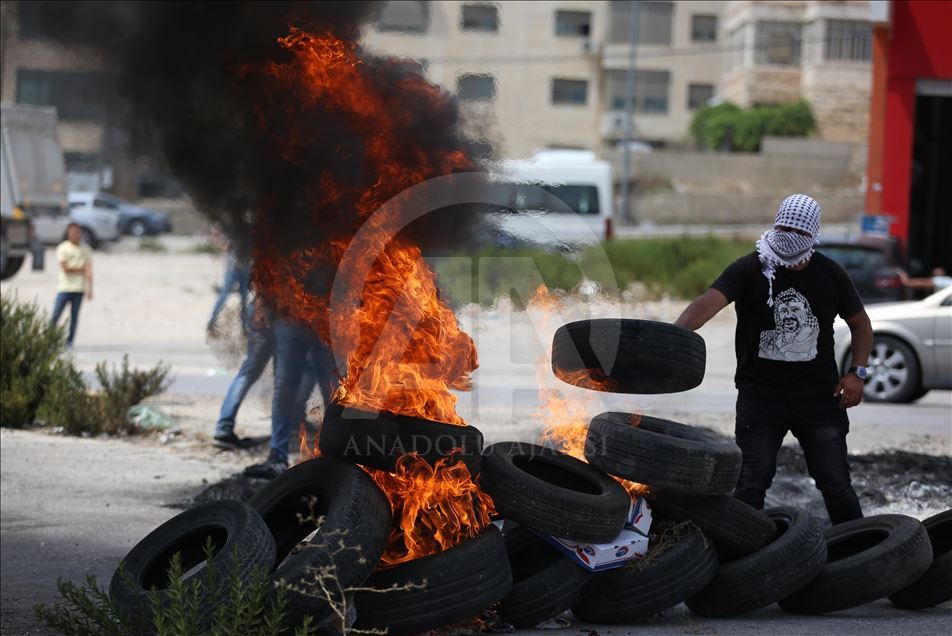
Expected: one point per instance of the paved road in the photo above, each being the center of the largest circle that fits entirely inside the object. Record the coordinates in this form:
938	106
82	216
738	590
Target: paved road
505	402
71	506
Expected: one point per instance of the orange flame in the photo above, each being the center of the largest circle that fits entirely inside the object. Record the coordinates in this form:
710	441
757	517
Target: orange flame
566	420
435	507
402	347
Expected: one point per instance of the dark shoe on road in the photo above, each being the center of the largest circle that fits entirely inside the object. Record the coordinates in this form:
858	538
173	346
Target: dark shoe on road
270	469
229	441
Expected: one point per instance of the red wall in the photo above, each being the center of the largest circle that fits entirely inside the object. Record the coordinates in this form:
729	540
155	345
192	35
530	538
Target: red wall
920	47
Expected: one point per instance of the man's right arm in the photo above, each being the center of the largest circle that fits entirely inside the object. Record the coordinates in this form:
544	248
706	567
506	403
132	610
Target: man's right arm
702	309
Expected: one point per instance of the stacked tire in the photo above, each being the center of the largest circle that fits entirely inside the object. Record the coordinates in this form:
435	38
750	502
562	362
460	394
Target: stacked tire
731	559
333	505
690	474
711	551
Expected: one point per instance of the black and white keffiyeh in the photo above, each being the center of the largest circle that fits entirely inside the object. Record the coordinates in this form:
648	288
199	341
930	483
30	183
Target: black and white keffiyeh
777	248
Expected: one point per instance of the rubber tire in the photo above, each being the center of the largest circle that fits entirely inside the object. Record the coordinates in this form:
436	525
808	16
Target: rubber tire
11	267
138	228
791	561
555	502
545	582
858	571
644	356
637	590
663	454
935	586
735	528
460	583
354	511
248	546
377	440
910	391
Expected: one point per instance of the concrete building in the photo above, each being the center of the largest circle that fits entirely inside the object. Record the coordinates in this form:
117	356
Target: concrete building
784	50
551	74
39	71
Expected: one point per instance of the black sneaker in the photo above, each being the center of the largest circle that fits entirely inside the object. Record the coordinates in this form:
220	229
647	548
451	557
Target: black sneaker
270	469
228	441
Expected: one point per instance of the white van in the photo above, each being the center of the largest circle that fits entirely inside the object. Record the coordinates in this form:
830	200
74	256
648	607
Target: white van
560	197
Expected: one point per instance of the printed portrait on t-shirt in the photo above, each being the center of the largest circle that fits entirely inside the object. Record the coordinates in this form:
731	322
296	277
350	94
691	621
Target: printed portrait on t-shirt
795	332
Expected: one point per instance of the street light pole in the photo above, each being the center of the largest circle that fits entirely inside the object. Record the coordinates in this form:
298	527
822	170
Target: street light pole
629	111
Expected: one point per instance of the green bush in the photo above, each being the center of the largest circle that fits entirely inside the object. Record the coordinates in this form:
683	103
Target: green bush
679	267
252	608
36	381
29	351
68	403
121	390
711	126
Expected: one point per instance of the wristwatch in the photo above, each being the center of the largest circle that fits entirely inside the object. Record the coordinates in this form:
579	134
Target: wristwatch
861	372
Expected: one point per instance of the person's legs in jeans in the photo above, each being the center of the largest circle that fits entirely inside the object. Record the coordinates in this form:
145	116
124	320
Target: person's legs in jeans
232	275
822	435
290	353
318	371
58	306
322	368
243	280
260	351
759	430
75	302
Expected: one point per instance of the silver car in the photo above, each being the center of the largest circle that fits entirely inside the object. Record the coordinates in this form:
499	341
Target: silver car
912	348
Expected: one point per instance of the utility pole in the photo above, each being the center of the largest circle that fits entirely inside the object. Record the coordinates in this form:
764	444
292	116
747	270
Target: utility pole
629	111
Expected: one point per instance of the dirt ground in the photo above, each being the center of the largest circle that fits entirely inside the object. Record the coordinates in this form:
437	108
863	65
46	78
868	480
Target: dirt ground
69	506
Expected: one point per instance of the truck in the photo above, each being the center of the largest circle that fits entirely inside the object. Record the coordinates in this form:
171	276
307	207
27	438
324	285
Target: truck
581	186
32	184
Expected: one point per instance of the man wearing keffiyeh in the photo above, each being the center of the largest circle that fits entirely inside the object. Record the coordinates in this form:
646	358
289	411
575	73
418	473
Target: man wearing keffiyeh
786	296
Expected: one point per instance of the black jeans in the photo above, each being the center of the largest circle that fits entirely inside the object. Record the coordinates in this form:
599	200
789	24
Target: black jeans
819	424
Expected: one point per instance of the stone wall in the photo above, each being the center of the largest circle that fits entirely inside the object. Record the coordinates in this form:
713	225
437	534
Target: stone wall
839	94
735	208
673	187
783	163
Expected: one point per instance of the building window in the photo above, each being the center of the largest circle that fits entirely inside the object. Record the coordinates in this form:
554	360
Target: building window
404	16
77	96
699	94
569	92
735	48
848	40
653	20
30	18
479	17
651	90
476	88
81	161
573	23
704	28
778	43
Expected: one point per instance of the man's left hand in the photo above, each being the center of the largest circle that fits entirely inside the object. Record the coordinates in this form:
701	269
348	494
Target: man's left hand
850	390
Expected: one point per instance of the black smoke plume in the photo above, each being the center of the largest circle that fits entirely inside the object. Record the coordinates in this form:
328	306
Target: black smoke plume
177	71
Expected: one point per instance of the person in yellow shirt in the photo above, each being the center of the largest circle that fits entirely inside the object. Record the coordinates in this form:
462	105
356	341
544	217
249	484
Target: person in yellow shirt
75	278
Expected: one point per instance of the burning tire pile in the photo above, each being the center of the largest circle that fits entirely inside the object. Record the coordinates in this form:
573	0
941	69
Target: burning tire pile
557	515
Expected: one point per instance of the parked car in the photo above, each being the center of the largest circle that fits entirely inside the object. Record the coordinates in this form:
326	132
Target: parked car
912	348
874	264
134	220
99	221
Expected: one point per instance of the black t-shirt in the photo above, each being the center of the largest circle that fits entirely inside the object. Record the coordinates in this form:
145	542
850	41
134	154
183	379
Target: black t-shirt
789	345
